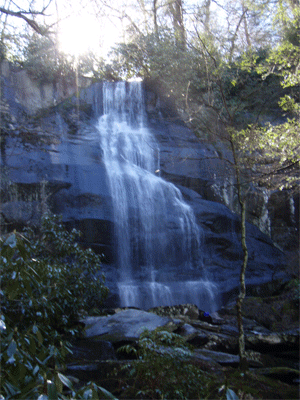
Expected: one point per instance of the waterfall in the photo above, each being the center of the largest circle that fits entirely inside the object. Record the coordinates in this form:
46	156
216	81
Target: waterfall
157	240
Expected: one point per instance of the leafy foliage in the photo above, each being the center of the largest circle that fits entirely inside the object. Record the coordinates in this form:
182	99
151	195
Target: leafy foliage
59	277
272	152
162	368
162	61
44	62
46	281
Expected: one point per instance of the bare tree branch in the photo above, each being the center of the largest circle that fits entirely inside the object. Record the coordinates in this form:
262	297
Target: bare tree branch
23	15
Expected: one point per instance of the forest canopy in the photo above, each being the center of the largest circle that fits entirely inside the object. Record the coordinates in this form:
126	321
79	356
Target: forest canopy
234	62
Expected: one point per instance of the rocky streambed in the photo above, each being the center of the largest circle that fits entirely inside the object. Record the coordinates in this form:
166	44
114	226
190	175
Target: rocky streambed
272	342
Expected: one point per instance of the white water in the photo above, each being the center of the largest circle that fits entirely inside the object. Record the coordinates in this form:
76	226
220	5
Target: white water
155	230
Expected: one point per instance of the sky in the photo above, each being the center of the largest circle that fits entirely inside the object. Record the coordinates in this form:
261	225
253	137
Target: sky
80	28
83	24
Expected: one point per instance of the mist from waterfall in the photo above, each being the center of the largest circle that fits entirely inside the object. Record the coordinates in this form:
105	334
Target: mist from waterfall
157	240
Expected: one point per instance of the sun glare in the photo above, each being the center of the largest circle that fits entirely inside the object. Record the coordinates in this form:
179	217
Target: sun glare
82	33
78	35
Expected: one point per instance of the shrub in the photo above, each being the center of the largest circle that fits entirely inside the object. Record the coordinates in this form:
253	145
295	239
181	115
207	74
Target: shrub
163	369
48	278
46	281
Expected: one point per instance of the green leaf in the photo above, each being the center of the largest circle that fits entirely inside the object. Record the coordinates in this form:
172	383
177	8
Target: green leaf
11	241
66	381
58	383
36	370
107	394
28	288
40	337
230	395
22	372
11	390
11	349
32	346
11	360
2	325
22	249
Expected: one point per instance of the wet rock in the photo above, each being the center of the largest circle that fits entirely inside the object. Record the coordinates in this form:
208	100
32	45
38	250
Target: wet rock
126	325
217	356
274	341
258	360
188	332
215	344
255	359
91	351
222	342
199	340
205	325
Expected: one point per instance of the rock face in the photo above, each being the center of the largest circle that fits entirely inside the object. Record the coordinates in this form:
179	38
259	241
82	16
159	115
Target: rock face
24	92
61	168
275	312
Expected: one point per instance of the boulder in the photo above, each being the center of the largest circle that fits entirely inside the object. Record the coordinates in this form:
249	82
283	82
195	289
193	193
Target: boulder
126	325
274	341
91	351
190	333
272	354
198	340
217	356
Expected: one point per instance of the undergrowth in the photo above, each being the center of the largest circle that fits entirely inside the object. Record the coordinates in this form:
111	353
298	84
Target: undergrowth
47	280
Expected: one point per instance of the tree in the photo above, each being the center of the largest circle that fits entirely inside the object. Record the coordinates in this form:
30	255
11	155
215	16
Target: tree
176	11
273	150
17	19
26	15
44	62
29	15
155	17
232	90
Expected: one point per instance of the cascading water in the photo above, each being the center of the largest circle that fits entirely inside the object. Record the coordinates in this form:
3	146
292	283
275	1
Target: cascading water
157	241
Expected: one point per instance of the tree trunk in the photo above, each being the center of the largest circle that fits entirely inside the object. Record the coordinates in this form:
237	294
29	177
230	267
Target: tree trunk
176	11
207	5
155	18
242	294
239	302
233	39
247	36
